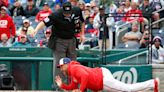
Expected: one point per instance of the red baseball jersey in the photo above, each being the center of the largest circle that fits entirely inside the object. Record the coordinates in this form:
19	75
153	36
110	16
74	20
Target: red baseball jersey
88	78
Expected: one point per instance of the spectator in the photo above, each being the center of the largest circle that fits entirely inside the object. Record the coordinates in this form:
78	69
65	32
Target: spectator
44	42
91	33
127	6
23	42
157	51
119	13
81	5
74	2
145	40
147	11
39	3
7	25
60	2
45	12
88	6
157	5
4	3
135	14
4	41
30	9
17	9
56	8
112	8
106	4
26	29
104	33
86	16
94	8
131	39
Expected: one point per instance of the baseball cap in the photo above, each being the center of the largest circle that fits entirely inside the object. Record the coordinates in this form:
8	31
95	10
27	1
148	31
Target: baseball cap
157	37
101	7
87	4
4	8
46	4
22	36
63	61
26	21
48	30
67	8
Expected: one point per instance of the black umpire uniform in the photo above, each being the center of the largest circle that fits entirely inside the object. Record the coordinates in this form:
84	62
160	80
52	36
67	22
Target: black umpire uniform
63	40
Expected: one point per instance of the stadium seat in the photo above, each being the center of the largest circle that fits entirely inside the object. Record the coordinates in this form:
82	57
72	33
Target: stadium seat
18	21
32	18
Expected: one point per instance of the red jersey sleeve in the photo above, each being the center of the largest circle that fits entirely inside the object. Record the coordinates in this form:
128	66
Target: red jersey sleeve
71	86
83	75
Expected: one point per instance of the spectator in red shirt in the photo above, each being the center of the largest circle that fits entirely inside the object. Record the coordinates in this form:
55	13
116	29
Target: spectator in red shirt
96	79
7	25
45	12
127	5
135	14
4	3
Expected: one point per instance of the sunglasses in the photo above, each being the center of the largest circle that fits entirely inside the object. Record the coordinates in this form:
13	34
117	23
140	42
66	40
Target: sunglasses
47	32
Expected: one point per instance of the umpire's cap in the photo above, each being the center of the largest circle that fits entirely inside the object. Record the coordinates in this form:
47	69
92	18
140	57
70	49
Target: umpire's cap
67	8
63	61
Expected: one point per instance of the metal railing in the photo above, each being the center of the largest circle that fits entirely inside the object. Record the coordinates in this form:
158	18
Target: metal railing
134	56
158	10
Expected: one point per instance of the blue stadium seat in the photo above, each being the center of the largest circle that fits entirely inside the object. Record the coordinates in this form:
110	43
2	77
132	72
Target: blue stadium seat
32	18
34	24
18	21
50	3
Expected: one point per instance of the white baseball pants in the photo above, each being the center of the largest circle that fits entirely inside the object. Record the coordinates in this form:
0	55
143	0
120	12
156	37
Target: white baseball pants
110	83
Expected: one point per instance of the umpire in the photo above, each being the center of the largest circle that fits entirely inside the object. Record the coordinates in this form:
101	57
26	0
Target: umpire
65	24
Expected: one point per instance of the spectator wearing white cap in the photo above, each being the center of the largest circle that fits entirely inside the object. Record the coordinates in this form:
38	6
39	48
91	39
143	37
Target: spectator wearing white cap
157	51
88	6
26	28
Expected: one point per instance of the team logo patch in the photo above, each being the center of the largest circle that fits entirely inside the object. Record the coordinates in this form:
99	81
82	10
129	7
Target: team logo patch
67	8
46	19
